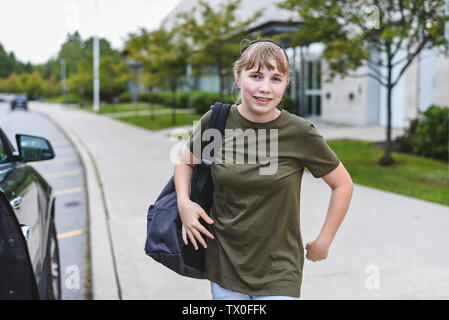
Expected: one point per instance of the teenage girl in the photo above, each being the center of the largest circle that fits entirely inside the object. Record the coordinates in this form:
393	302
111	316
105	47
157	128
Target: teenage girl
255	249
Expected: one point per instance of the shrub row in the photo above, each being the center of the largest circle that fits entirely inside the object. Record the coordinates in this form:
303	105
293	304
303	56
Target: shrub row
428	135
72	98
201	101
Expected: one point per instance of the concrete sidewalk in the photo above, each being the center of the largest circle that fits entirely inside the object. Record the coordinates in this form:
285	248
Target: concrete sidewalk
388	247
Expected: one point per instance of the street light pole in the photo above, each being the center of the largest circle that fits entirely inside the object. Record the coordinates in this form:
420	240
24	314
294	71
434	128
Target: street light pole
96	63
446	34
63	78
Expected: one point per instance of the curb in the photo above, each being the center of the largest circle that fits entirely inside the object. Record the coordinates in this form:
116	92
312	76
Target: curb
105	283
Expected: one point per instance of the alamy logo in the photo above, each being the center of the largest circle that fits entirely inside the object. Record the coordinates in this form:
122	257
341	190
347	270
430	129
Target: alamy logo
261	147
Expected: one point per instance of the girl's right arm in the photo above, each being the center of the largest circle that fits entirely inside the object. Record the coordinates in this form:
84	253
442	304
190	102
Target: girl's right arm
189	211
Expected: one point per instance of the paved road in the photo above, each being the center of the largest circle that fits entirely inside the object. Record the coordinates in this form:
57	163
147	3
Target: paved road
388	247
66	175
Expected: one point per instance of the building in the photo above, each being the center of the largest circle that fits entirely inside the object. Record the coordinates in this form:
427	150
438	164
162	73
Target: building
356	101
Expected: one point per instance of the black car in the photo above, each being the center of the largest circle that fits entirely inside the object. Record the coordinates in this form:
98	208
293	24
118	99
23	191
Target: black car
19	101
29	255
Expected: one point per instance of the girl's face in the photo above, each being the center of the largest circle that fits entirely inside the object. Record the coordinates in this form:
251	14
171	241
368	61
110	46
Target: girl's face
261	90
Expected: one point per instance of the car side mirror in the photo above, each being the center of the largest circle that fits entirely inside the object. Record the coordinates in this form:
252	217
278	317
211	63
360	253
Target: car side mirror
33	148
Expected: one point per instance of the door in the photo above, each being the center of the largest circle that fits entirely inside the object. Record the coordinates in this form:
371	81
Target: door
17	279
18	184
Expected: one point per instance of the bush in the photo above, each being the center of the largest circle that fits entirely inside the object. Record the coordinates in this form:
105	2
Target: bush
199	101
202	101
70	99
124	97
167	98
155	97
162	97
143	97
182	99
288	103
428	134
405	141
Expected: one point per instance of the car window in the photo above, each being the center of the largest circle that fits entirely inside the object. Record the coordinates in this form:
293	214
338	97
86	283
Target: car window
3	154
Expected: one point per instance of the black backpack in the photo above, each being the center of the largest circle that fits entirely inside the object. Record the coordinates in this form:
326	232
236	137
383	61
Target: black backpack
164	239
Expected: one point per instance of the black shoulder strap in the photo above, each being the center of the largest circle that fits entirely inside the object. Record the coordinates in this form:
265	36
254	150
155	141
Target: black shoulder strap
219	116
217	120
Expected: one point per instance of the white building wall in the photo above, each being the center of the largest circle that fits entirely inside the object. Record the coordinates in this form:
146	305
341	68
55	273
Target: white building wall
442	80
427	80
339	107
372	101
411	77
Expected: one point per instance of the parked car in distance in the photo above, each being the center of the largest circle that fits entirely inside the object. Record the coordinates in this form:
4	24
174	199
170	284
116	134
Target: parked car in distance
6	97
29	254
19	101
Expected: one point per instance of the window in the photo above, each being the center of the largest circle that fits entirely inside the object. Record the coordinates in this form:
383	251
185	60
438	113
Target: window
313	86
3	154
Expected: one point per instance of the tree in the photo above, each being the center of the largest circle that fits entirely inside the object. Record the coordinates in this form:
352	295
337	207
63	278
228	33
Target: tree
9	64
371	34
13	84
113	77
52	87
216	36
163	55
35	85
74	50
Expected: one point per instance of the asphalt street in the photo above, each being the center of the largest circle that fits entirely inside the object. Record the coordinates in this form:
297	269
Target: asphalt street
65	174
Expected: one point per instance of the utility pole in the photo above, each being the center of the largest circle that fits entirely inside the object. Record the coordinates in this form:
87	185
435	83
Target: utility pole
446	24
96	63
63	78
446	34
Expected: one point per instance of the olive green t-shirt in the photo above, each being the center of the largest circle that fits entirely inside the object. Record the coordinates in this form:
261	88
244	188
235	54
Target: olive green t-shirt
258	248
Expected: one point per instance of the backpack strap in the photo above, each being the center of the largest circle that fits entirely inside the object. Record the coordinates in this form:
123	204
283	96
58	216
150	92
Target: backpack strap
217	121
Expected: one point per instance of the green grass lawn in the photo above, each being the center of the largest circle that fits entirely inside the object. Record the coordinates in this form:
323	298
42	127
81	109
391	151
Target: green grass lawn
412	176
162	121
124	107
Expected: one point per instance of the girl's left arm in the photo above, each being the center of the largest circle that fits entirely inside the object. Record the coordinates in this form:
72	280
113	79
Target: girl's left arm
342	186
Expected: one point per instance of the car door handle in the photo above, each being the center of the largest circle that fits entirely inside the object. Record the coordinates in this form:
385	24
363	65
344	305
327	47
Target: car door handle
26	230
16	202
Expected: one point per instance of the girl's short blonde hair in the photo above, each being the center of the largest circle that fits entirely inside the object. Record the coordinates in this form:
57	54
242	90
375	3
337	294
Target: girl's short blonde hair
259	54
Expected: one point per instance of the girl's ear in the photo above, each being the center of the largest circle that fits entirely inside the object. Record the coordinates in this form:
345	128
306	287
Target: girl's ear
237	80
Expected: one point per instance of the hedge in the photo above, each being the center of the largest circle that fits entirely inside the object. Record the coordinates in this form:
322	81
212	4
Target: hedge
428	134
202	101
124	97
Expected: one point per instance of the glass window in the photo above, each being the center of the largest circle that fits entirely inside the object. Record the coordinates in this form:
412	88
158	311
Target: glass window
3	154
318	74
310	75
309	104
318	105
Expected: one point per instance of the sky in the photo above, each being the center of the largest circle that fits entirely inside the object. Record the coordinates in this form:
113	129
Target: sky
35	29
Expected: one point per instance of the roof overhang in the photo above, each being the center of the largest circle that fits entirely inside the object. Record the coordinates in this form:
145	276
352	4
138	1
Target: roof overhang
271	28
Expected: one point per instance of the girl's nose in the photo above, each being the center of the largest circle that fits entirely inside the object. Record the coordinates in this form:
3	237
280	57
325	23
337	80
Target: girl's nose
264	86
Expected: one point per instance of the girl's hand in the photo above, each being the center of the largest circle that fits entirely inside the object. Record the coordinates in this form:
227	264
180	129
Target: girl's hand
317	250
189	212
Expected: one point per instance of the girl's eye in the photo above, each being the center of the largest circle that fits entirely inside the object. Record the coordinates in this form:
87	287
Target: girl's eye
255	76
277	79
